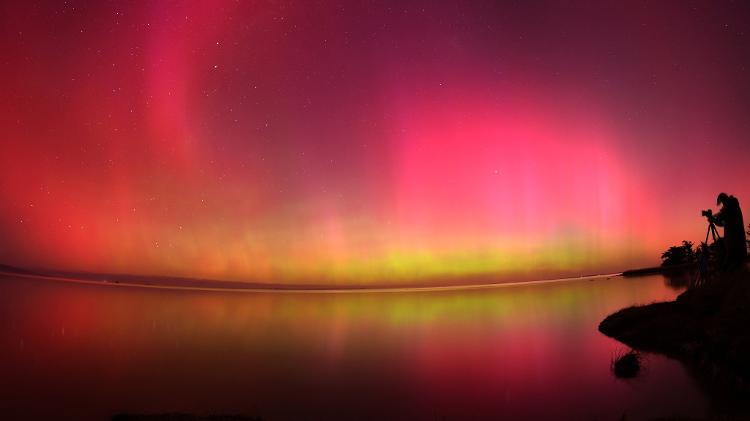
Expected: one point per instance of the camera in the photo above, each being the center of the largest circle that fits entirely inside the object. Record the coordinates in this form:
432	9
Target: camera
708	213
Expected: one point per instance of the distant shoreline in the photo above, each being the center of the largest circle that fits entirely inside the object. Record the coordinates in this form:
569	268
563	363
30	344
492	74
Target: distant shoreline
661	269
653	270
187	284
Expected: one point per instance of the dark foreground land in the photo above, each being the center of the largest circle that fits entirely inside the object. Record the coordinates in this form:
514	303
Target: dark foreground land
181	417
707	327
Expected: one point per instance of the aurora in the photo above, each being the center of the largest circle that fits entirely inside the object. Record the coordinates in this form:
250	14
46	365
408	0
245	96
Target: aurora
297	143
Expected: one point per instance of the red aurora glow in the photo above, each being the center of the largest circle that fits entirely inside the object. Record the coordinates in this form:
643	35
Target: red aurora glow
352	143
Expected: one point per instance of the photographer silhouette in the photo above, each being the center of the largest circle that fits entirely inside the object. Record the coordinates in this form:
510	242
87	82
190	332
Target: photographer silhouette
730	217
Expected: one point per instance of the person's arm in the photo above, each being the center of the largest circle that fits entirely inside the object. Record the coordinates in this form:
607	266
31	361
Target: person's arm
718	218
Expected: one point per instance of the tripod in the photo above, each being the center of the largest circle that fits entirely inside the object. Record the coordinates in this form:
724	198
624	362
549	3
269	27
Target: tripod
712	231
704	254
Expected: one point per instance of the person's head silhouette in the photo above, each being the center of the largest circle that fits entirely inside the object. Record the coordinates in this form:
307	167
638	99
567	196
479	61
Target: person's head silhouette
721	198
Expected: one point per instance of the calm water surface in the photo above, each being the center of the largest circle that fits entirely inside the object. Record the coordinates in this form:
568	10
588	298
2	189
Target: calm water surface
72	351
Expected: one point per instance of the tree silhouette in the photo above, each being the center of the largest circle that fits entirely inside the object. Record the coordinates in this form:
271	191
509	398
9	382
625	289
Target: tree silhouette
679	255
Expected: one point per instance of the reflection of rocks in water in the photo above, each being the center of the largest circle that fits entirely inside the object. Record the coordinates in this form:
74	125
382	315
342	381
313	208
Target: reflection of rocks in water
678	278
626	365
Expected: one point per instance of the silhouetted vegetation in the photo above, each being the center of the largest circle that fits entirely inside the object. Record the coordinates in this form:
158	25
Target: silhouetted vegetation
686	266
679	255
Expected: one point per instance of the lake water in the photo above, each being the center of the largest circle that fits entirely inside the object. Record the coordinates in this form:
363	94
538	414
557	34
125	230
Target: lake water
72	351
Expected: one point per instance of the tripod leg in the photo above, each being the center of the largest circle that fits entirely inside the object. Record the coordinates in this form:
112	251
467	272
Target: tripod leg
714	232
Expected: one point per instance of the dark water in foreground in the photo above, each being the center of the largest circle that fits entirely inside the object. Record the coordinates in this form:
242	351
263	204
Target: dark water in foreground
72	351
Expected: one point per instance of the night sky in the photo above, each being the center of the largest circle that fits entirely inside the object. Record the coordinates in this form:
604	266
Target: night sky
367	142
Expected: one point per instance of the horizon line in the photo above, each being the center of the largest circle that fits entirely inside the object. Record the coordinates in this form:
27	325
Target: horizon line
279	288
